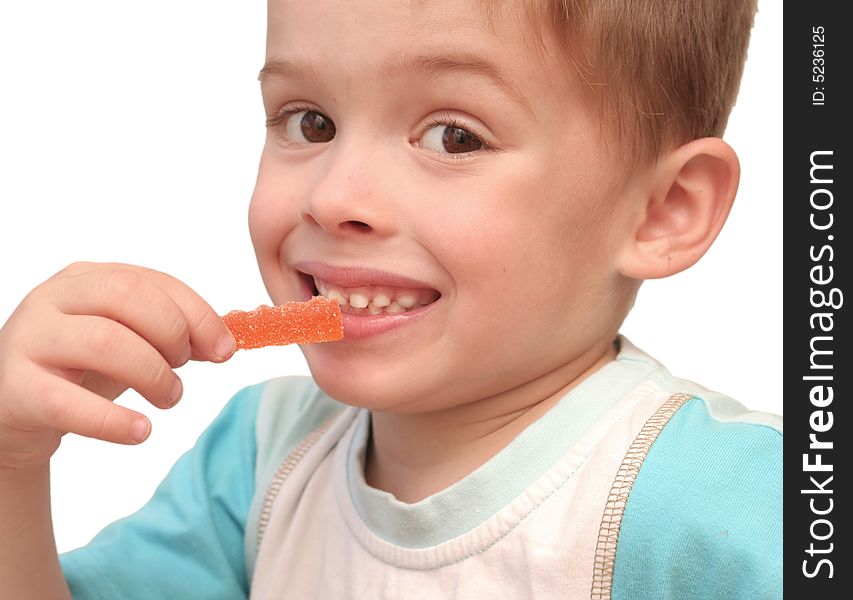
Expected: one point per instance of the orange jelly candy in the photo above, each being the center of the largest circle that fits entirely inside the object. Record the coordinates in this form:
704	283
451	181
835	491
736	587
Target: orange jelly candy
318	320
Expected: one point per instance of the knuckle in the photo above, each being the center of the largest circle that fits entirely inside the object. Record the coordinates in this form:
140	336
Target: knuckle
158	376
36	296
12	369
153	379
205	318
102	429
11	337
122	285
75	268
10	394
99	339
178	334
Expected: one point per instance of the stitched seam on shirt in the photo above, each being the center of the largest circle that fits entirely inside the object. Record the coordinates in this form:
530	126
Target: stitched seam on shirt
617	499
283	472
532	509
552	492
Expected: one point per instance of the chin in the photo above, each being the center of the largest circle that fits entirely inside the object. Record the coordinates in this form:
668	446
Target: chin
362	384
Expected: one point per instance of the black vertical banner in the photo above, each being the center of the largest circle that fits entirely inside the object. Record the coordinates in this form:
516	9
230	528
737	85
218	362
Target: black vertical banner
818	62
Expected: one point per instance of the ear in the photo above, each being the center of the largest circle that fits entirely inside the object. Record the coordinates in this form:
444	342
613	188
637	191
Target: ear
682	209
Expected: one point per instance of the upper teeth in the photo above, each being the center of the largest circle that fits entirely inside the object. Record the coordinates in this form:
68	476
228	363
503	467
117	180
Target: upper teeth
358	301
376	299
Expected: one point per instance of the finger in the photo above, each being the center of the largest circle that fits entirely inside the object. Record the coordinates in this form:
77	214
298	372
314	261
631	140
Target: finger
55	403
102	385
209	338
102	345
131	298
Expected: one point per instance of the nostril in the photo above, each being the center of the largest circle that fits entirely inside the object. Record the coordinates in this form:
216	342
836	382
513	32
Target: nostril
309	218
357	226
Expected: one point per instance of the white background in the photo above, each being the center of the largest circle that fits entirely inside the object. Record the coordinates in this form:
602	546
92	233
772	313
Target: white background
131	132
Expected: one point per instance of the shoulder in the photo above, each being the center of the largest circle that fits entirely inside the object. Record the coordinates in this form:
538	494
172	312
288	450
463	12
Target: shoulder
704	516
289	409
276	414
279	413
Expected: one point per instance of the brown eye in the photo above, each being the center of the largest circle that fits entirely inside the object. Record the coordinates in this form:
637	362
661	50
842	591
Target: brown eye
317	127
308	126
456	140
446	138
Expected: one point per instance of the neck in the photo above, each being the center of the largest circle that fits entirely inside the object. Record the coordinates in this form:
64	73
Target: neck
413	456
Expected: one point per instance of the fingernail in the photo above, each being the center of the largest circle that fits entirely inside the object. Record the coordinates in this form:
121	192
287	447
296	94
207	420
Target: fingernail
177	390
140	430
225	346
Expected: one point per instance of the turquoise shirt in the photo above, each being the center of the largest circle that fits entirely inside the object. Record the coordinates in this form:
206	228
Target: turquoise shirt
703	519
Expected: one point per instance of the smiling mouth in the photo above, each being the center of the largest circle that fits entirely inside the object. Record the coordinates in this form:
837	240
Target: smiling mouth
371	300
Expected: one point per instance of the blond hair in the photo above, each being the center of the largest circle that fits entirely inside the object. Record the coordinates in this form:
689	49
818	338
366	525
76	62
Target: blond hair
661	72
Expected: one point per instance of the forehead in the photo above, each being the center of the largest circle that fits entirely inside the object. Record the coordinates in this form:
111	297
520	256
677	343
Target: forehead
390	37
417	20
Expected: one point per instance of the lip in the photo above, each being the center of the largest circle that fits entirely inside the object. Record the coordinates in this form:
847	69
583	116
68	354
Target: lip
358	327
355	276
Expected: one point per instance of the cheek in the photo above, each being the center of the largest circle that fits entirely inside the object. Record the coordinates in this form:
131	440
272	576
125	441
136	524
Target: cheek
262	222
499	233
273	212
537	236
573	217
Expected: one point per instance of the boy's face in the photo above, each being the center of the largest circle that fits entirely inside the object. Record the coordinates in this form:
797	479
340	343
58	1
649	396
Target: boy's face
417	139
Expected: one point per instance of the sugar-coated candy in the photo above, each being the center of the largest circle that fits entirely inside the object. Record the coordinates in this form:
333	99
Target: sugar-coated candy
318	320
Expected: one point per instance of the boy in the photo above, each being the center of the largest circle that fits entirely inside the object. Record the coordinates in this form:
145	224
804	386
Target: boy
485	217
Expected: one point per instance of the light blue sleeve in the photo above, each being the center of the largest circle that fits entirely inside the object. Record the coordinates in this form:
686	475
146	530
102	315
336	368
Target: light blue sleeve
704	517
187	541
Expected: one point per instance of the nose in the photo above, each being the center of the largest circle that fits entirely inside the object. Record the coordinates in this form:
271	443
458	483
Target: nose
351	197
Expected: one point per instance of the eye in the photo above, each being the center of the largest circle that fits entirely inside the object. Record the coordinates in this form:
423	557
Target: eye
450	138
304	126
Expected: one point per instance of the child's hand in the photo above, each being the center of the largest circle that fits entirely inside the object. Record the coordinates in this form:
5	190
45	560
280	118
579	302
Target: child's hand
83	337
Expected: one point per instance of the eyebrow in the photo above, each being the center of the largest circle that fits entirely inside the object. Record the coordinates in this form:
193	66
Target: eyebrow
426	64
